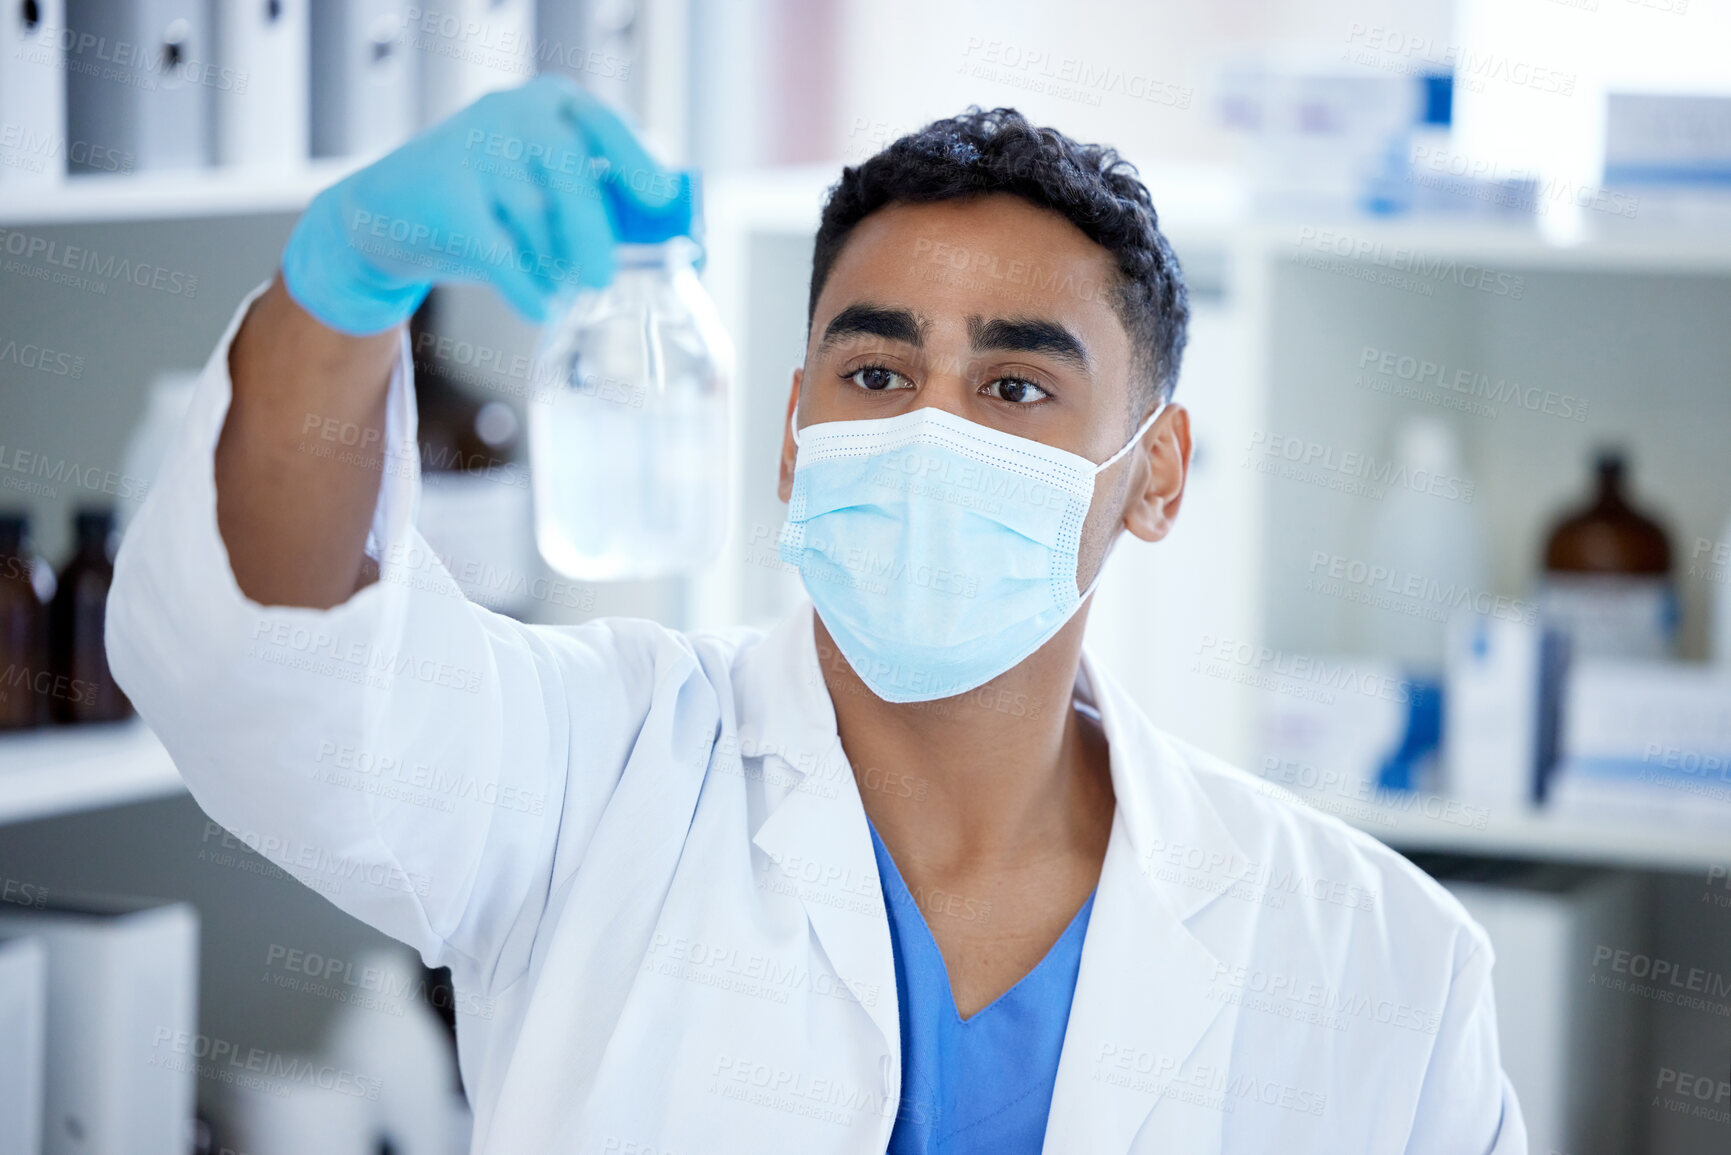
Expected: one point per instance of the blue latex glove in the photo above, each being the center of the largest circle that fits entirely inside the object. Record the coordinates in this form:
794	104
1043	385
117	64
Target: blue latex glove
526	190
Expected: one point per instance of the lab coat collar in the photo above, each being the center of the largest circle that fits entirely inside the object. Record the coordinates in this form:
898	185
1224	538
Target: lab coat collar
1146	979
1147	996
815	828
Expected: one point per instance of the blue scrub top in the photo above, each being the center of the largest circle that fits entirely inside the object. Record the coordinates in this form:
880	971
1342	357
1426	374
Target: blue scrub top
980	1085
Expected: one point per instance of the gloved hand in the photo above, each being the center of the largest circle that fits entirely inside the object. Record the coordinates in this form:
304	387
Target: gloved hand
527	190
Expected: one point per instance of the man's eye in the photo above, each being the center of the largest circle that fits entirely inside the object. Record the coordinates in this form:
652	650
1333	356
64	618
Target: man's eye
877	379
1017	391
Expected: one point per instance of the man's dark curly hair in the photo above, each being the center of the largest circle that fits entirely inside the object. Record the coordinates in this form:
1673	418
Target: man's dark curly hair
1089	185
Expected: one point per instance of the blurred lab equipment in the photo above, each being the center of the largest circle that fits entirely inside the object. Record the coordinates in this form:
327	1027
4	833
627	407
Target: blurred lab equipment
23	630
1607	579
139	74
153	436
23	1038
1646	741
1505	676
475	510
1349	727
77	653
1564	1041
1427	540
123	1052
1319	139
628	428
390	1075
1668	157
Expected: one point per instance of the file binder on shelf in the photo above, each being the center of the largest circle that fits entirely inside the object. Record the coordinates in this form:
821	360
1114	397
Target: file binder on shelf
262	122
364	77
23	1030
468	48
33	146
139	79
123	1053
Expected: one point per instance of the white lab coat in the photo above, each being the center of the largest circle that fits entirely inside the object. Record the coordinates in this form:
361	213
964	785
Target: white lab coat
644	858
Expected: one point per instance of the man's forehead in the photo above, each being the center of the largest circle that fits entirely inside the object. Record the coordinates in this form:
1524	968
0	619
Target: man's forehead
992	258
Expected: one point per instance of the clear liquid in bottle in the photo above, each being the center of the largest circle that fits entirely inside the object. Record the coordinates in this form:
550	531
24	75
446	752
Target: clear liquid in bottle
628	426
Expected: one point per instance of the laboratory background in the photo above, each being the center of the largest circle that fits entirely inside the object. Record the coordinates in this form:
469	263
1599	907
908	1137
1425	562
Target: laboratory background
1455	564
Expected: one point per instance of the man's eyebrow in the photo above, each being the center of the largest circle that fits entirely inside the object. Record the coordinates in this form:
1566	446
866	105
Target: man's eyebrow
875	321
1028	335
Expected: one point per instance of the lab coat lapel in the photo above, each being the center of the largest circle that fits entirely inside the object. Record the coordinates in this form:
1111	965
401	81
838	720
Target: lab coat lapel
1148	1032
815	830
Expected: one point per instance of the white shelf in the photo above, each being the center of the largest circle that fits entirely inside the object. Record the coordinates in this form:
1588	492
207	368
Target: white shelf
1415	243
1534	834
188	194
65	770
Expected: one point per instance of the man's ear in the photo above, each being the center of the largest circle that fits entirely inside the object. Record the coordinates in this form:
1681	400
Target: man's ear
1152	507
784	488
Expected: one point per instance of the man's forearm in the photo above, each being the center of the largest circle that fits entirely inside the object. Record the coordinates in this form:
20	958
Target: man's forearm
293	505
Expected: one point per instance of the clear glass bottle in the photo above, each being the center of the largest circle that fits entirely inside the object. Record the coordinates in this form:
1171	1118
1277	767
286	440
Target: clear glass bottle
628	423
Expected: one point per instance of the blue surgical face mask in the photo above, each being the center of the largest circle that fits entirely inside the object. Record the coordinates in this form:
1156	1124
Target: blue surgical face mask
938	551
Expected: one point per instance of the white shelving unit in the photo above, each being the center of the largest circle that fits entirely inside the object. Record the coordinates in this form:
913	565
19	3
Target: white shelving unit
66	770
760	225
185	195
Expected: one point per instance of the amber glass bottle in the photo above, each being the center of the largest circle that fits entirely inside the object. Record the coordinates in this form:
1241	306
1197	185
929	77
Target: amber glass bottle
85	691
23	642
1608	581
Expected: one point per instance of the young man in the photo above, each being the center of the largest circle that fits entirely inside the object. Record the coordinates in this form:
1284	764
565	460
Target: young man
907	872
